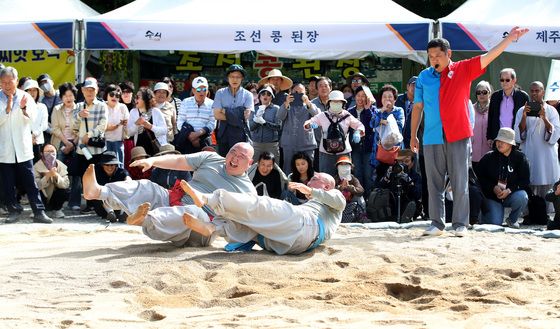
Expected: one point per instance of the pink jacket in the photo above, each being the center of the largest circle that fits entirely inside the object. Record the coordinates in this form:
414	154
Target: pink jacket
479	143
350	122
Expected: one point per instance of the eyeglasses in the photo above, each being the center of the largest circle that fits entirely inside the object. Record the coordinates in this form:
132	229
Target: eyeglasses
482	92
505	80
199	89
114	94
266	93
356	80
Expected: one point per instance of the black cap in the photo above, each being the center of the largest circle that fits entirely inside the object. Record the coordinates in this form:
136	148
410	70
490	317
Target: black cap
108	158
234	68
43	76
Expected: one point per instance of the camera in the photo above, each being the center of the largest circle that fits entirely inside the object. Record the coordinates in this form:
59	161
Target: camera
535	109
398	175
399	184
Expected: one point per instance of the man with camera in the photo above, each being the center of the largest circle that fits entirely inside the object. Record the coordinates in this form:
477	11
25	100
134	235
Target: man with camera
90	123
405	186
537	129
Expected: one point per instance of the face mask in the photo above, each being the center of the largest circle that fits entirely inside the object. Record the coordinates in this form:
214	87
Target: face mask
335	107
345	171
347	95
47	86
50	160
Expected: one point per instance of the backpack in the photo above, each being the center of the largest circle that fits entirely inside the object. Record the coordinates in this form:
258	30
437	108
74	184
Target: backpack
537	211
335	142
379	205
353	213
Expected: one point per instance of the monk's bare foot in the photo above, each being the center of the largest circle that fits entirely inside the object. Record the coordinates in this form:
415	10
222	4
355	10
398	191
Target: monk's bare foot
195	224
92	190
138	217
198	198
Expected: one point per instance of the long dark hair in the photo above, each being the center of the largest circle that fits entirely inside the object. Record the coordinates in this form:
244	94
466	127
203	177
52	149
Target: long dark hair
296	177
147	97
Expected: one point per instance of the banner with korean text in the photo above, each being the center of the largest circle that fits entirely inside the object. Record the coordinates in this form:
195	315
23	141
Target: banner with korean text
58	64
552	92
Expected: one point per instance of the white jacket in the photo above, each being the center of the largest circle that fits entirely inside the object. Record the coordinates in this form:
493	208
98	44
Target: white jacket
40	123
15	129
159	126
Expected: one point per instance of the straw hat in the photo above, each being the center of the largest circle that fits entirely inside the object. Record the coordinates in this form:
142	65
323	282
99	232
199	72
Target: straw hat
137	152
167	149
286	82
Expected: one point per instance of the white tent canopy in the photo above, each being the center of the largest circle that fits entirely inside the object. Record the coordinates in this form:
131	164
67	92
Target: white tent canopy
312	29
40	24
478	25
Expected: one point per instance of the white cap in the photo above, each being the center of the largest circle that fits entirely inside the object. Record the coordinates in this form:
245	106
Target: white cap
199	81
336	95
267	88
161	86
30	84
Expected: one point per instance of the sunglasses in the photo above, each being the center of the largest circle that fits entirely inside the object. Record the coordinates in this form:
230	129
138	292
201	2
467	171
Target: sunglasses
505	80
482	92
199	89
356	80
266	93
114	94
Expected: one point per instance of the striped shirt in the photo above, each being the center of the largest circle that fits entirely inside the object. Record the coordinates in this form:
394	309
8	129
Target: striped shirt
197	116
96	121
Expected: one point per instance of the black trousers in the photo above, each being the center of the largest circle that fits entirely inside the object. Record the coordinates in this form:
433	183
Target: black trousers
20	174
58	198
99	209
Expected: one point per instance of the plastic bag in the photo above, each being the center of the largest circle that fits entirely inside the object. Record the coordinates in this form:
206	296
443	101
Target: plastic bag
390	135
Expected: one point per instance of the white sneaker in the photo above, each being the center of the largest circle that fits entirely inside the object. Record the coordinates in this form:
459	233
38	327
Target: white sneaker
58	214
460	231
432	231
512	225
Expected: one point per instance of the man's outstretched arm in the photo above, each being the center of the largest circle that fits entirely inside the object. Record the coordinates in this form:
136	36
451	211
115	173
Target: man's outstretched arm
493	53
168	161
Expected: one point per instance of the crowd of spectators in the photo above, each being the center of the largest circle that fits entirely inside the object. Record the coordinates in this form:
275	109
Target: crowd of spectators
49	137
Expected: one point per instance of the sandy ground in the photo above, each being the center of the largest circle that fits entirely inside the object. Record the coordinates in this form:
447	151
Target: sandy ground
77	273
